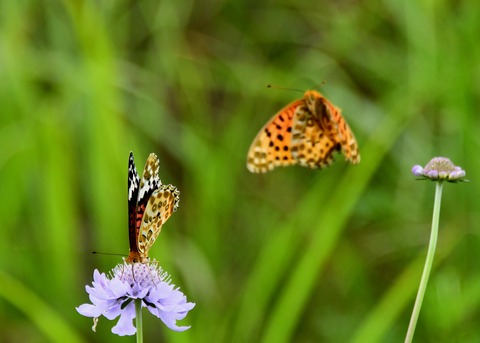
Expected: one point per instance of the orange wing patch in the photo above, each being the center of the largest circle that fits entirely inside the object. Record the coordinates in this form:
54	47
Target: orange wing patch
306	132
162	203
271	147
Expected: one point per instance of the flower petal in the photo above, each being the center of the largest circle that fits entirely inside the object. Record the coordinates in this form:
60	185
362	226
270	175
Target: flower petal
88	310
169	306
125	326
114	310
417	170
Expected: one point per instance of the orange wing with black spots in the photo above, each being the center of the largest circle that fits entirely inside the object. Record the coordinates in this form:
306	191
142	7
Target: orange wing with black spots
271	147
306	132
318	131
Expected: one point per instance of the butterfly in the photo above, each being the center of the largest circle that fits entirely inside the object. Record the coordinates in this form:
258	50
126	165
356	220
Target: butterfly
306	132
150	204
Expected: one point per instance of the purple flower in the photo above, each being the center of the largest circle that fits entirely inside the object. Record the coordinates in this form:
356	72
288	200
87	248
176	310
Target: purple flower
439	169
114	296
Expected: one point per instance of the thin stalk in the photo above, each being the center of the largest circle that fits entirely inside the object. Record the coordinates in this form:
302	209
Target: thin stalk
138	320
428	263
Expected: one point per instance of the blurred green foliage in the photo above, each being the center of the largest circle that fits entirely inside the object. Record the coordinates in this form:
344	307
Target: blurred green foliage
295	255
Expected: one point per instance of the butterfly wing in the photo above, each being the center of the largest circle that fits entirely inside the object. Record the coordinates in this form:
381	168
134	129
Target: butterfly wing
312	144
139	193
150	180
346	138
162	203
271	146
318	131
133	181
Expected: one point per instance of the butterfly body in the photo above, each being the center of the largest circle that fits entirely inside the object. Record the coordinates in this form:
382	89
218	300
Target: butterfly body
150	204
306	132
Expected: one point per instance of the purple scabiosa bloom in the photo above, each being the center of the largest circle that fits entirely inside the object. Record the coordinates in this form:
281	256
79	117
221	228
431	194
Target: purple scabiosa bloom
115	295
439	169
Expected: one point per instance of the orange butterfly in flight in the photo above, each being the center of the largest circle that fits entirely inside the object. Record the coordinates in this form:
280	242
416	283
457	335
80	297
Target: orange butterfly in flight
305	132
150	204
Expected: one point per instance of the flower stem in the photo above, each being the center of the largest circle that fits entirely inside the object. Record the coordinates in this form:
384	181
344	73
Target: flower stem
428	263
138	320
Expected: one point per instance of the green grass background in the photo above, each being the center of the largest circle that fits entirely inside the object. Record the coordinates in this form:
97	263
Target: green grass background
295	255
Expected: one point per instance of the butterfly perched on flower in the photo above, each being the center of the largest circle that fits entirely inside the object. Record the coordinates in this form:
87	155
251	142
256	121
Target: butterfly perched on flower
306	132
150	204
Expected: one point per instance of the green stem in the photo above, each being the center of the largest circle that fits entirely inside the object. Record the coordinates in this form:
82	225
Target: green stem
138	320
428	263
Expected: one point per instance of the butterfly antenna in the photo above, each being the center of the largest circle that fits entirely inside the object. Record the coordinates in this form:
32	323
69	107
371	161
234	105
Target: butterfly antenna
319	85
285	89
107	253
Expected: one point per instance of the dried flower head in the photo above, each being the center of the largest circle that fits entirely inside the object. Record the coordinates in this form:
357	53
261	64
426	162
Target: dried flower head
114	296
439	169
